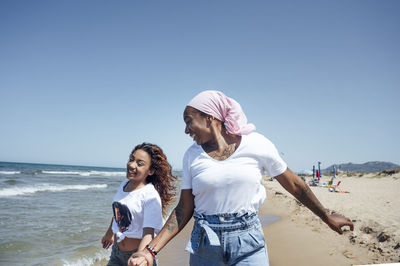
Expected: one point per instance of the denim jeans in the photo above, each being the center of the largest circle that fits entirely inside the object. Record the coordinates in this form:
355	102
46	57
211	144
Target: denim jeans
118	256
227	239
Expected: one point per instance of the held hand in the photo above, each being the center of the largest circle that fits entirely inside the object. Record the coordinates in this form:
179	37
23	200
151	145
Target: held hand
107	241
141	258
337	221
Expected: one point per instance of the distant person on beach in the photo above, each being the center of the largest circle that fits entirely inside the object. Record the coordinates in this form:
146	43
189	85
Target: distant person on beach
139	203
222	187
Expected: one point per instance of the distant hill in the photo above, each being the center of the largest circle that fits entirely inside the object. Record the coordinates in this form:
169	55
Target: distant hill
365	167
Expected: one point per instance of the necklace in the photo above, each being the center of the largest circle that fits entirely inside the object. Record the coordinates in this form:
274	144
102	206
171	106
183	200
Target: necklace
226	153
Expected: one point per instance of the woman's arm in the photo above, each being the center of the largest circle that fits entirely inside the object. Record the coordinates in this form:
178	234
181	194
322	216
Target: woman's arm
179	217
148	235
107	239
302	192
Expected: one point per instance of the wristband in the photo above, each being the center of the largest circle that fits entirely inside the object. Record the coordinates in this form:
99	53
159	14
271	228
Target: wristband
152	252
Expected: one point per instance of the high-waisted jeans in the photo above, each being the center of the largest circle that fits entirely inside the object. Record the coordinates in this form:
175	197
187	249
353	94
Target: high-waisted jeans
227	239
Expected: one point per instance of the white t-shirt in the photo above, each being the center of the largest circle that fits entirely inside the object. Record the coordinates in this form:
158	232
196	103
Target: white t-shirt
235	184
135	210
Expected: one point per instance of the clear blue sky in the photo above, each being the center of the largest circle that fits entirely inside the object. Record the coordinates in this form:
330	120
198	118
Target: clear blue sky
83	82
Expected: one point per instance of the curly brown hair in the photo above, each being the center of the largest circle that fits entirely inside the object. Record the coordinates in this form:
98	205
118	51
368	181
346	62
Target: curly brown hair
162	179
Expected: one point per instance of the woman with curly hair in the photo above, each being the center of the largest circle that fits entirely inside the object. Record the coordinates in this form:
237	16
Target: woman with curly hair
140	203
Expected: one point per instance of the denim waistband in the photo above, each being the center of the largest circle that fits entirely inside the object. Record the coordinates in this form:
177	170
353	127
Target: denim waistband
119	251
221	222
227	221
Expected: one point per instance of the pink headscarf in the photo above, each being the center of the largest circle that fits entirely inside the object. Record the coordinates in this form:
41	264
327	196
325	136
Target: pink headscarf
223	108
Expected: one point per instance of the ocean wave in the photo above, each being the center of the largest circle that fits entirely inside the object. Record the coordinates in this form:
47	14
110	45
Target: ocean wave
100	258
107	173
9	192
84	173
9	172
59	172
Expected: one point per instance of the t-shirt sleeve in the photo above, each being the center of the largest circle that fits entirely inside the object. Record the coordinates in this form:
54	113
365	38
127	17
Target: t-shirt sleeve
186	176
272	163
152	216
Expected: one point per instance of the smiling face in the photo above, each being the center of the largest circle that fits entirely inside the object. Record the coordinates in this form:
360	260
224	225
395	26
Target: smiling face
196	125
139	167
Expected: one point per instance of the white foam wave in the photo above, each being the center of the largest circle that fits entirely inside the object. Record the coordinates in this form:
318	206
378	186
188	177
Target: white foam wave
61	172
85	173
9	172
107	173
9	192
97	259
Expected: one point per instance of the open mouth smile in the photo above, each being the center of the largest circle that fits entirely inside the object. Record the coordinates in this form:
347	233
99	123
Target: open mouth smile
131	172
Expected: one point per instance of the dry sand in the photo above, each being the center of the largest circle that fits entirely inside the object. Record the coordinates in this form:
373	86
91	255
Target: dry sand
301	238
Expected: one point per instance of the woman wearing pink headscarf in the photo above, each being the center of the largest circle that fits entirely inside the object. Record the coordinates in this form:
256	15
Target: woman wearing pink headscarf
222	187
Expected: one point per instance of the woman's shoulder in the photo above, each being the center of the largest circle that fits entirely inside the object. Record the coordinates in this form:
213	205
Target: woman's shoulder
150	195
257	138
194	148
193	151
120	194
259	145
122	184
149	191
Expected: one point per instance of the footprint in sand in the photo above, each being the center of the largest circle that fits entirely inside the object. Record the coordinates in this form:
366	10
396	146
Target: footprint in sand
348	254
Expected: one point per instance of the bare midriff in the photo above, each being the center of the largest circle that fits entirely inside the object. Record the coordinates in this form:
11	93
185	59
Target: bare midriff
128	244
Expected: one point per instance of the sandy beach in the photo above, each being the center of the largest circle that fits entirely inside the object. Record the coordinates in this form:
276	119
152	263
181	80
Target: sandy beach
300	238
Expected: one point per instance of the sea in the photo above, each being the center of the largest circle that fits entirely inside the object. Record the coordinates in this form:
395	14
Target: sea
55	214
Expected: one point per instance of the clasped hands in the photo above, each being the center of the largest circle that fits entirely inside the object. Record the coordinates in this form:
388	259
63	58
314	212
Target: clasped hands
141	258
